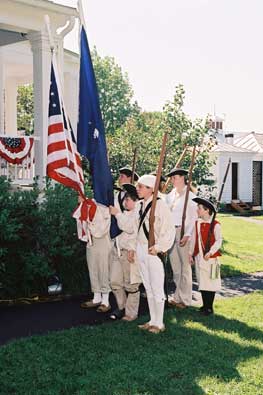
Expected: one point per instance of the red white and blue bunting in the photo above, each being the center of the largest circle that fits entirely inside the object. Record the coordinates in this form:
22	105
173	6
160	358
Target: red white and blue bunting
15	149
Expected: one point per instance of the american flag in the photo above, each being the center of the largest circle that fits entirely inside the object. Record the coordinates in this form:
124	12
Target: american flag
63	159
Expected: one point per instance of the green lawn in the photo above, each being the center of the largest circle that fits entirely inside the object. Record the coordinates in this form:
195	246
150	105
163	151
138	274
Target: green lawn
243	246
219	355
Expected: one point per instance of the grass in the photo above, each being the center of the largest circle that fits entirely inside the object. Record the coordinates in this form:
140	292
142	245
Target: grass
243	246
219	355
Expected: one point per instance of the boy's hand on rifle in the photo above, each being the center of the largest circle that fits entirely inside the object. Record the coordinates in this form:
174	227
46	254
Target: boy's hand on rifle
113	210
130	256
207	256
184	240
191	260
152	251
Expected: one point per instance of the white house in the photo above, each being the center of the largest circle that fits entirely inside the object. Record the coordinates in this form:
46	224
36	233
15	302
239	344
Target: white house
244	184
25	57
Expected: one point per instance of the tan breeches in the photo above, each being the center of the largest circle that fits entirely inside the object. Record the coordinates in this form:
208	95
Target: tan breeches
98	259
182	271
120	281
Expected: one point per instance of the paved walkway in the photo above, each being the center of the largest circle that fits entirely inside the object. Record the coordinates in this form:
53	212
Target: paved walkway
234	286
19	321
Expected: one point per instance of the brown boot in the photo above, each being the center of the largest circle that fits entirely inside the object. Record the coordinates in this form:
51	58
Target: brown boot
156	330
172	302
145	327
103	308
181	306
128	318
89	304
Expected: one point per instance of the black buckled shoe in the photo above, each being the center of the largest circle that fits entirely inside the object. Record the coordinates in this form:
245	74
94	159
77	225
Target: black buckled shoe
117	314
207	312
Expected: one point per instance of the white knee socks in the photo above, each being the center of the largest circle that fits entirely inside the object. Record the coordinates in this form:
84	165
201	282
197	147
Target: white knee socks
151	304
105	299
97	297
159	309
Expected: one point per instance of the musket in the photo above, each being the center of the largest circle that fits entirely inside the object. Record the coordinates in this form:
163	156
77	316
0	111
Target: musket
187	192
223	183
211	227
178	164
133	164
151	240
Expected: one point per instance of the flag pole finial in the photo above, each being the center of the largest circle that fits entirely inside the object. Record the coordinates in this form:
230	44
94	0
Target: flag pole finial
51	40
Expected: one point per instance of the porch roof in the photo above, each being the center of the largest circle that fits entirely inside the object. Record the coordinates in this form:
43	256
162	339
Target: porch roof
224	147
252	141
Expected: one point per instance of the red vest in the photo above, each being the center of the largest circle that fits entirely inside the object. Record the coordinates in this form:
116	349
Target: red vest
204	229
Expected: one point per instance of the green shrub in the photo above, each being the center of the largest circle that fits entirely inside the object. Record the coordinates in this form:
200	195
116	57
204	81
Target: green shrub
38	238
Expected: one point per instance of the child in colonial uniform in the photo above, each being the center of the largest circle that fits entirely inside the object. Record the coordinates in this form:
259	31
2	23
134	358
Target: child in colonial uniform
205	246
150	265
98	259
124	275
125	177
182	271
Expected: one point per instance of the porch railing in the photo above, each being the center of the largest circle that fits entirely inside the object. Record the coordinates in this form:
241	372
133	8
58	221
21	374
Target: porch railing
19	174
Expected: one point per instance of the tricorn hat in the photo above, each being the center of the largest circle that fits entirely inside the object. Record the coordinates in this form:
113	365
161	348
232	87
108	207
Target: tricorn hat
162	177
128	172
130	189
177	170
205	202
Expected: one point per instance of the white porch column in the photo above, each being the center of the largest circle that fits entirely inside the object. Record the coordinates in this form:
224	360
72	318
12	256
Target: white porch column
2	87
11	106
41	79
60	60
71	98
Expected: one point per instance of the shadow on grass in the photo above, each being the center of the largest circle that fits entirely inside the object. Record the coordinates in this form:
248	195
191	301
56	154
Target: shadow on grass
230	271
121	360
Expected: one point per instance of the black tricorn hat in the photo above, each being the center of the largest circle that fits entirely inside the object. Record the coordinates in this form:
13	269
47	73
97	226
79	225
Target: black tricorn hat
205	202
177	170
162	177
128	172
130	189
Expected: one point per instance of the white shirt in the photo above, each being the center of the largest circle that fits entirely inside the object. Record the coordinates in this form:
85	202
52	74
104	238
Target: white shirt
125	222
100	225
164	230
116	199
175	201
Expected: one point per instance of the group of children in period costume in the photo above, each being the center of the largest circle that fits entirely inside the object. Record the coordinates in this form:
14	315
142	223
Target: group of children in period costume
120	265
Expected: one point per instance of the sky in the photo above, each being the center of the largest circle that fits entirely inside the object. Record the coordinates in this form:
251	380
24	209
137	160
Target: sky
212	47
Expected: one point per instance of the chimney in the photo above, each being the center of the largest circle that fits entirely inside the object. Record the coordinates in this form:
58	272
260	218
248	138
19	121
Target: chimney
229	138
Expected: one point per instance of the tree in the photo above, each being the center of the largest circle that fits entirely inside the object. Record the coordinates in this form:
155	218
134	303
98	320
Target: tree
183	131
142	131
115	92
25	108
145	131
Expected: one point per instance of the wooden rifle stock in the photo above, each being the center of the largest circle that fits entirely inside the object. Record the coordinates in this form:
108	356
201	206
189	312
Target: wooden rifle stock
151	240
187	192
211	227
178	164
133	164
223	183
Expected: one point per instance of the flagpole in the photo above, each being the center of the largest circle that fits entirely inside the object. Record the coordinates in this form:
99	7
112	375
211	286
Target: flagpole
54	62
81	14
62	103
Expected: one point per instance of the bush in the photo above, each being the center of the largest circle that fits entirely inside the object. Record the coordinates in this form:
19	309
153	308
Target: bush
37	239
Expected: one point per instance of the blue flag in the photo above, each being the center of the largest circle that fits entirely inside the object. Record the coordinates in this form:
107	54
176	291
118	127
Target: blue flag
91	141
